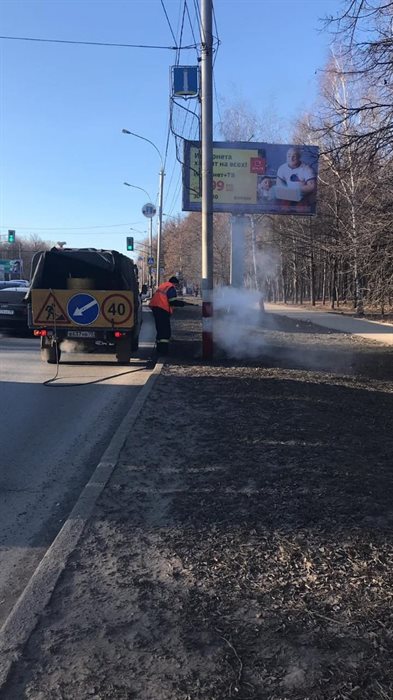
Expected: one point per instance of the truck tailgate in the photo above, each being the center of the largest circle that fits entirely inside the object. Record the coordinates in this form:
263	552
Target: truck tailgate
70	308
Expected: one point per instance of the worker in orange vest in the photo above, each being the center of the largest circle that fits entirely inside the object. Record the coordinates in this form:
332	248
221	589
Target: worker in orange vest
161	304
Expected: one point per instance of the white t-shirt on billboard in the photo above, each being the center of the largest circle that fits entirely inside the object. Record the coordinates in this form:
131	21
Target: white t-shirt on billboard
293	176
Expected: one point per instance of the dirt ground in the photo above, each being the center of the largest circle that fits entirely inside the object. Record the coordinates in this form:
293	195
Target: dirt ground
243	548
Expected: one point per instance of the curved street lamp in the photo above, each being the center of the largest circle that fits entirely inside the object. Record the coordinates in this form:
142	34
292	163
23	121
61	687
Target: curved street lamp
160	201
138	188
132	133
143	233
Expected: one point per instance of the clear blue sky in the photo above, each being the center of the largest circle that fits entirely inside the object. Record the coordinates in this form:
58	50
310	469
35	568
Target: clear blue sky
63	158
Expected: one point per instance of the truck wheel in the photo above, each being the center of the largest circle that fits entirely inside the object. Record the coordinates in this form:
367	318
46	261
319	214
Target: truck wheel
123	350
51	353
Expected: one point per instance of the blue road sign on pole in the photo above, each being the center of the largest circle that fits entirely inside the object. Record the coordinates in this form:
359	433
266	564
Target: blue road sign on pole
149	210
185	81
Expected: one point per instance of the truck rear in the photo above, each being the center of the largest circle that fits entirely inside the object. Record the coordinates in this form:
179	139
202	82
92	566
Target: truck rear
88	297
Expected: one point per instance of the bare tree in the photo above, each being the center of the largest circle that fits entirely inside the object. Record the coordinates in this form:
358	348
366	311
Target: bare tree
24	249
365	41
182	248
240	122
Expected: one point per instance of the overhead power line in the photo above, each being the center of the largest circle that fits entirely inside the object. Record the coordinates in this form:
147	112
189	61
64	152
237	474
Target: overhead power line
191	26
167	19
181	35
69	228
97	43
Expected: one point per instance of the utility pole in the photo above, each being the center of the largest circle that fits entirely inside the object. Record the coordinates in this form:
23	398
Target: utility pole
207	176
20	260
159	229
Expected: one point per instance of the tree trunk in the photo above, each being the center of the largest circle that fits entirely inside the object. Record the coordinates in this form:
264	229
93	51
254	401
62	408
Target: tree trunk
333	284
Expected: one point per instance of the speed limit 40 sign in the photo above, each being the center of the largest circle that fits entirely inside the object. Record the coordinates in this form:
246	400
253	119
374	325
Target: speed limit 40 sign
117	309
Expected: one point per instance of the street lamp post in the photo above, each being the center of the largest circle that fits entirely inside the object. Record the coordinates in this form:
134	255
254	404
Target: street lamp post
160	200
140	248
143	253
150	228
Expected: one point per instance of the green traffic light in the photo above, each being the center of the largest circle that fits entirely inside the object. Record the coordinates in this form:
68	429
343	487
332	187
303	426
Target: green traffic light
130	243
11	236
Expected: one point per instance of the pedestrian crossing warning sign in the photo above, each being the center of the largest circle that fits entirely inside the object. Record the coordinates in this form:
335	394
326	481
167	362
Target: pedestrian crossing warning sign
50	312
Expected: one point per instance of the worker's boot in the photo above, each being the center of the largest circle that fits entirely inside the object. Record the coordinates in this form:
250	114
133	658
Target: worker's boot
162	347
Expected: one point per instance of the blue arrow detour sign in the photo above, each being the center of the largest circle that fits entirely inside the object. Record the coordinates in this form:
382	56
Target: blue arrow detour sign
83	309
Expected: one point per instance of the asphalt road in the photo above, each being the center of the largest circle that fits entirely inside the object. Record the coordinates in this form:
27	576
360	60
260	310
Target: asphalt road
52	437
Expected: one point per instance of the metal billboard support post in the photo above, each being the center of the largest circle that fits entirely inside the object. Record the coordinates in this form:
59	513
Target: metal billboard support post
239	226
207	177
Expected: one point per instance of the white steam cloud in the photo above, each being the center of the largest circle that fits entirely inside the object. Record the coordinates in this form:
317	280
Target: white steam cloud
238	322
69	346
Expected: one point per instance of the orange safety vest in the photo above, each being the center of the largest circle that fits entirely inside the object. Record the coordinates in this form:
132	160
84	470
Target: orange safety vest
160	298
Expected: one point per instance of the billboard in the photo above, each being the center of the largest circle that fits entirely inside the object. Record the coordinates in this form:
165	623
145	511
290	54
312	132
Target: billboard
11	268
254	178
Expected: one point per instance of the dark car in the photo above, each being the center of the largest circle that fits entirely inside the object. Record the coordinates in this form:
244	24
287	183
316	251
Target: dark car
10	284
13	306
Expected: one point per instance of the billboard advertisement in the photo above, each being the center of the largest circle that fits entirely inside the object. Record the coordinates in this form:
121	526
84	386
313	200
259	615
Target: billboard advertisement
12	269
254	178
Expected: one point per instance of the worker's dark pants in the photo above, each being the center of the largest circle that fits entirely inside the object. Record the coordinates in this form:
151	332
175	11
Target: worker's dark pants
162	320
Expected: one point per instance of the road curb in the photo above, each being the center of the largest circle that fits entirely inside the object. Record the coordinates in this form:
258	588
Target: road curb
29	607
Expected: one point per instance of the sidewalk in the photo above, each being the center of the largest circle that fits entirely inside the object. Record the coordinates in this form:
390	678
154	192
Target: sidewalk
242	547
371	330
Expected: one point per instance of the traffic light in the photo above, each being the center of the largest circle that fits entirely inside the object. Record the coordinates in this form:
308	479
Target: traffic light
130	243
11	236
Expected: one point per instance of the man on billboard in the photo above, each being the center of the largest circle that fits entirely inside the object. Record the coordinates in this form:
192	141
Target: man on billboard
296	180
15	269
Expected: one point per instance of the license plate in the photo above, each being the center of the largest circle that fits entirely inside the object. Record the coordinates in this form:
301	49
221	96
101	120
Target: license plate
81	334
7	312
